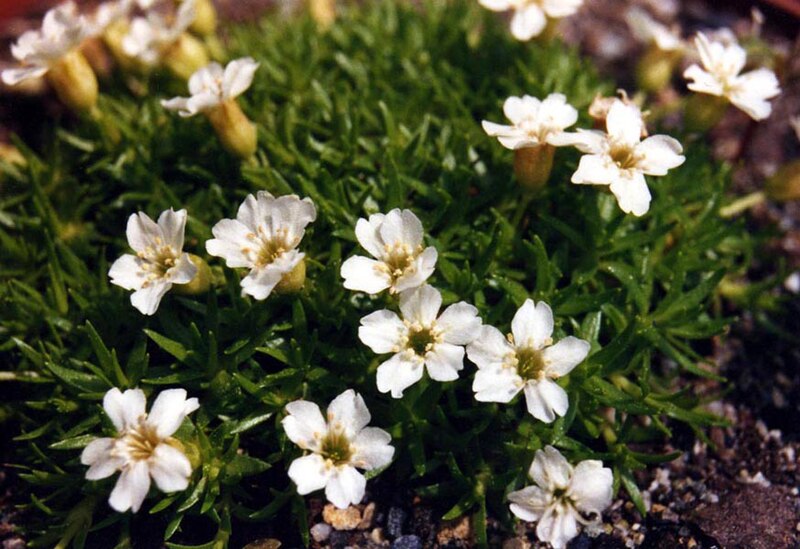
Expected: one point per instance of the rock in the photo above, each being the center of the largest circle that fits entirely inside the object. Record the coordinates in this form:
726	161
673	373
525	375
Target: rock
339	539
320	532
395	522
459	529
516	543
376	536
407	542
366	517
342	519
268	543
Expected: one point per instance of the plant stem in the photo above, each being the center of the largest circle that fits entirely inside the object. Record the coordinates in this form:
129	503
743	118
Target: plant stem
741	204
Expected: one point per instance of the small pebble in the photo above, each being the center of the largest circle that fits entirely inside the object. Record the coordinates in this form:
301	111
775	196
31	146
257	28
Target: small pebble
339	539
395	522
320	532
407	542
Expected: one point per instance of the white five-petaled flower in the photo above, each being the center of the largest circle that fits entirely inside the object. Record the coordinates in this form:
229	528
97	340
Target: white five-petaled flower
339	445
620	159
63	29
564	497
534	122
150	36
212	85
401	262
419	340
263	238
143	448
720	76
109	13
648	30
159	261
526	361
530	16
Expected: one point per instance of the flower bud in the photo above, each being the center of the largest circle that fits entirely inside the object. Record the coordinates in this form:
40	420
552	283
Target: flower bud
185	56
112	38
785	183
655	68
704	111
205	19
234	129
201	281
323	12
293	281
532	166
10	153
74	81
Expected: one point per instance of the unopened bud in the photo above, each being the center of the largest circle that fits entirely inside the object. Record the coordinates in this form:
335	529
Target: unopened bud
186	56
655	68
704	111
234	129
201	281
323	12
112	38
532	166
205	19
74	81
293	281
785	183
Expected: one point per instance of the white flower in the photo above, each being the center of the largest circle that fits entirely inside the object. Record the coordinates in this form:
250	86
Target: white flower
395	241
648	30
563	497
149	37
159	261
419	340
143	448
534	122
620	159
212	85
338	446
263	238
526	361
63	29
720	76
530	16
109	13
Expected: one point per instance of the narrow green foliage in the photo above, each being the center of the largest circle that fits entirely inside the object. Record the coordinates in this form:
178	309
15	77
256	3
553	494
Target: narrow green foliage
381	111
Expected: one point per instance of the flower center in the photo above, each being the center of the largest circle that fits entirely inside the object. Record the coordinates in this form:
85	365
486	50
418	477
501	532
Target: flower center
336	447
158	258
141	441
623	157
398	257
530	363
269	247
421	339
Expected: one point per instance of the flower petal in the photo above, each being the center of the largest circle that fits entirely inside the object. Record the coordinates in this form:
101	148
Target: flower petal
459	323
231	240
348	412
131	488
496	384
421	304
170	468
444	361
142	232
126	272
532	325
124	409
561	358
401	227
147	299
529	503
238	77
369	235
346	487
546	400
398	373
381	331
557	525
489	349
632	194
419	272
550	470
624	123
304	424
363	274
591	487
169	410
309	473
528	22
372	449
97	455
173	226
595	169
659	153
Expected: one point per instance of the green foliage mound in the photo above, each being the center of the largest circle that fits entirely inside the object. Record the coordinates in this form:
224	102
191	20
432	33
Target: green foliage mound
381	111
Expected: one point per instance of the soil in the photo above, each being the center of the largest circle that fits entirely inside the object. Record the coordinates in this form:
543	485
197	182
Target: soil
740	491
